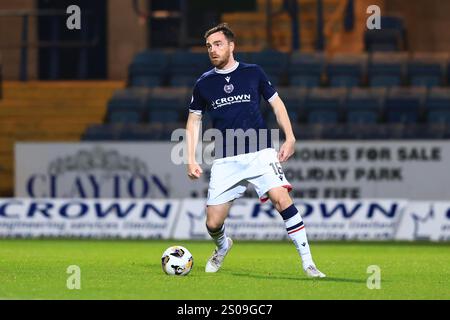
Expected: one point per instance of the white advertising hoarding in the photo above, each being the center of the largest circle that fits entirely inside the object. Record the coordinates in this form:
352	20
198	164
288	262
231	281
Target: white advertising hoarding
425	221
99	170
89	218
411	170
324	220
249	219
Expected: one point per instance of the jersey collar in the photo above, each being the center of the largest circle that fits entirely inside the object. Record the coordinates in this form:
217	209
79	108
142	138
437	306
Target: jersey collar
225	71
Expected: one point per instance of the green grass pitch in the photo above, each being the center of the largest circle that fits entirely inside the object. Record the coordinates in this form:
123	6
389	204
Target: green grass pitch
111	269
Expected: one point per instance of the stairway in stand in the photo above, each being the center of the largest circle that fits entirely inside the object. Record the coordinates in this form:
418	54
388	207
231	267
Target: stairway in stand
47	111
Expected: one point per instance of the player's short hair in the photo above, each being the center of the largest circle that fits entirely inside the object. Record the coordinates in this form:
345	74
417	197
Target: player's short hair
224	28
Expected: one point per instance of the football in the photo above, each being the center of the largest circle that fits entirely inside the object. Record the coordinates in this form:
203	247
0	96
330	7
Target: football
177	261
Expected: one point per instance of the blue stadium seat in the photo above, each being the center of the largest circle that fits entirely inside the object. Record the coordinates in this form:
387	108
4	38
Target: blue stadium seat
169	129
378	131
128	99
168	104
142	132
438	106
448	73
163	116
274	64
337	132
434	131
127	105
438	116
306	69
271	119
364	105
362	117
367	131
125	116
404	105
427	69
322	117
324	105
346	70
392	22
447	133
186	67
387	69
308	131
148	69
150	131
147	81
391	36
102	132
423	131
242	56
294	99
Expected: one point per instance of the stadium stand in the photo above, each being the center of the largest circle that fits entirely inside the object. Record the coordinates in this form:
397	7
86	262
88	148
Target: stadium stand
379	95
323	105
148	69
127	105
186	67
346	70
405	105
303	70
438	106
387	69
427	69
131	132
365	105
274	63
390	37
294	100
306	69
167	104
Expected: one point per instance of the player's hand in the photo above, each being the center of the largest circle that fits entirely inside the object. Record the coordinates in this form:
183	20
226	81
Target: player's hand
286	150
194	171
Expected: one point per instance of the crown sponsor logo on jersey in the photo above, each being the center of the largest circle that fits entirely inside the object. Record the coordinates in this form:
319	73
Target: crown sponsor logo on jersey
226	101
228	88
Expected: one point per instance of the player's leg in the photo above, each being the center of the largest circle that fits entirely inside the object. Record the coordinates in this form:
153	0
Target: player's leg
279	196
215	224
273	185
218	207
221	193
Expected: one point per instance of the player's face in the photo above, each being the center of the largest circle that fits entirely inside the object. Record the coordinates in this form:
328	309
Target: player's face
219	49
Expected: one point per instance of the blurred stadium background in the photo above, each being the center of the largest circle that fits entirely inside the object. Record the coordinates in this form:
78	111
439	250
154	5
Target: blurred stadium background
86	116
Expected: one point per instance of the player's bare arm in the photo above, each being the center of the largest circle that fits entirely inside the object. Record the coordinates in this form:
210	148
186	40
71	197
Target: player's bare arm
288	147
194	171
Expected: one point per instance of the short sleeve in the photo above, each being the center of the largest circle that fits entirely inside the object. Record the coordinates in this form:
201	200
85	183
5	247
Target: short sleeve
265	86
197	104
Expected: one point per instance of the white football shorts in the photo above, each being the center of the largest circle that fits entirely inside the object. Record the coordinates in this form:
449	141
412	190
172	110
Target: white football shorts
230	176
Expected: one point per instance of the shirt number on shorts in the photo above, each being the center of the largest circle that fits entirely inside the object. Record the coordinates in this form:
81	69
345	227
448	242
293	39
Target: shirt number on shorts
276	166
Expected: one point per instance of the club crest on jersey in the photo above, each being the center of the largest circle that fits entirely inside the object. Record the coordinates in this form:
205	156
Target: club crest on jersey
228	88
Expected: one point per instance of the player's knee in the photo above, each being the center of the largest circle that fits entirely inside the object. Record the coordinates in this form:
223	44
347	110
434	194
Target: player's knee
213	224
282	202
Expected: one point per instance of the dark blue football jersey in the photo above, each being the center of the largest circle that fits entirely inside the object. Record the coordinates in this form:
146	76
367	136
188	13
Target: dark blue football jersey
232	100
